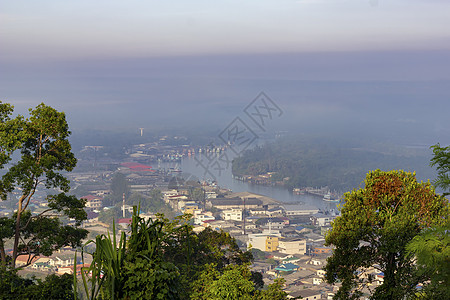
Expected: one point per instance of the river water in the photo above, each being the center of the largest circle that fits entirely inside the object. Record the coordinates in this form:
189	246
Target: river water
198	167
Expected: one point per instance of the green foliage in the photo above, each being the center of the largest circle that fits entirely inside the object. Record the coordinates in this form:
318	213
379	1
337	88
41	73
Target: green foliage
432	251
197	194
335	164
136	271
441	160
119	187
13	286
162	259
107	216
235	282
40	143
53	287
258	254
151	203
375	225
275	291
106	274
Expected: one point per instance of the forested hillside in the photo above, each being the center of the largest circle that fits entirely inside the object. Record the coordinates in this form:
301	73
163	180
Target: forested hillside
336	164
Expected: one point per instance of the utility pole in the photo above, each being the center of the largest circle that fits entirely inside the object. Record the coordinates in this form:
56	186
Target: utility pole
243	215
123	205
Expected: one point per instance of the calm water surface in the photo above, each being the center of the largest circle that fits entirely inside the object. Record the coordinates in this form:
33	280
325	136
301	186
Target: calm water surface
196	166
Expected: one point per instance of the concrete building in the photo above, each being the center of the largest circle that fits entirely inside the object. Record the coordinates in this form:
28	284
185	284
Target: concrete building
272	243
292	246
234	214
258	240
228	203
298	209
93	202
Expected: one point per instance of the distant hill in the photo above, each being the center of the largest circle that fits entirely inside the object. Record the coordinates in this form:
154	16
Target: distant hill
325	162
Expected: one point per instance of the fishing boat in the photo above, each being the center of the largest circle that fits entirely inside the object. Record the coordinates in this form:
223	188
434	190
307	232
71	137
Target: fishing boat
329	197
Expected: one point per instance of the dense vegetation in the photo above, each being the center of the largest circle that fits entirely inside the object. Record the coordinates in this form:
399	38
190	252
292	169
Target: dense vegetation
376	224
336	164
35	152
165	259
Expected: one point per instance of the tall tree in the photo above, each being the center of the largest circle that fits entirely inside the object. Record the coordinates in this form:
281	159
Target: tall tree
43	153
375	225
441	159
119	187
431	247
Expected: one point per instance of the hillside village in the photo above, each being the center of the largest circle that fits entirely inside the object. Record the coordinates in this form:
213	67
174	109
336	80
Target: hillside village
287	240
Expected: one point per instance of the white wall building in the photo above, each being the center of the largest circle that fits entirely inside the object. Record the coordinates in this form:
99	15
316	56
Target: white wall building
232	214
292	246
258	240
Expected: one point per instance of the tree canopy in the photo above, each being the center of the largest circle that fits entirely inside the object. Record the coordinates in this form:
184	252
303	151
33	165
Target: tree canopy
165	259
431	248
42	153
441	159
336	163
375	225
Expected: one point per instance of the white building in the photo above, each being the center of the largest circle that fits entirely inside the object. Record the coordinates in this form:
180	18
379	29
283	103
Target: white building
200	218
258	240
292	246
232	214
298	210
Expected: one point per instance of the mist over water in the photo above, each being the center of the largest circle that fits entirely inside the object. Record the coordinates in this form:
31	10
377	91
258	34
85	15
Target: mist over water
323	94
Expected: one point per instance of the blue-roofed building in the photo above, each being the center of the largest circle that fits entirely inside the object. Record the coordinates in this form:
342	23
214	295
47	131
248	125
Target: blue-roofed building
287	267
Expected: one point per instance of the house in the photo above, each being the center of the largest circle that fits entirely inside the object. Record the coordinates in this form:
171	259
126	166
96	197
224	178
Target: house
271	223
41	263
234	214
202	217
41	266
258	240
291	259
275	211
62	259
227	203
317	262
321	219
289	232
210	194
299	209
261	267
292	246
301	229
317	280
272	243
23	260
257	211
306	294
177	201
191	208
289	267
169	193
93	202
92	217
321	273
281	256
124	222
321	250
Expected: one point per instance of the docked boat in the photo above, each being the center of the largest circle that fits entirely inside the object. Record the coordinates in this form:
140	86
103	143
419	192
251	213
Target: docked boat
330	197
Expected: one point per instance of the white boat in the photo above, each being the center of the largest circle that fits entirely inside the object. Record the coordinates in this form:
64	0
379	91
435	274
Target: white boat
329	197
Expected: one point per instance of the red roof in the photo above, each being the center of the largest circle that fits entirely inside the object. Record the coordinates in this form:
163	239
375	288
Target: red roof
137	167
126	221
91	197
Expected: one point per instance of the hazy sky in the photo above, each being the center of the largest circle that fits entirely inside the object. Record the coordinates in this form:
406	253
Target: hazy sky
332	64
105	28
